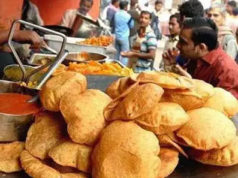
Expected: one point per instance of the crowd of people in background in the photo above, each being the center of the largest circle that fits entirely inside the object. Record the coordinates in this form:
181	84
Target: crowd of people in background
166	24
199	43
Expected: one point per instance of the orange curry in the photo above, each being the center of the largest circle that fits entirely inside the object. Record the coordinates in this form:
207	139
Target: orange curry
15	103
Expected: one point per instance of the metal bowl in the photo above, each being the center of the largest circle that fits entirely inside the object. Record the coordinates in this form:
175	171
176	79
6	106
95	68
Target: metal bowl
13	73
14	127
38	59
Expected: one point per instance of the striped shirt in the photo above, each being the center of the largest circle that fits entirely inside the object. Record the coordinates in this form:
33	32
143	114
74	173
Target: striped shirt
149	42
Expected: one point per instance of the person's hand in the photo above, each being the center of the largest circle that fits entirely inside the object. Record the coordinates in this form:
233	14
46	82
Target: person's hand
169	56
128	54
182	71
30	37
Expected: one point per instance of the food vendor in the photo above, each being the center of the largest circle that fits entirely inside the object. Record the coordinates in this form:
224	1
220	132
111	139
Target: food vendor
81	28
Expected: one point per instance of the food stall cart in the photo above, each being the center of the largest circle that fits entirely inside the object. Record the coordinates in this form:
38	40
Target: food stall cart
186	167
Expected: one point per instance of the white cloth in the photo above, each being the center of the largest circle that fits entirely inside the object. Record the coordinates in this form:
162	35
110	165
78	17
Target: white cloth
86	29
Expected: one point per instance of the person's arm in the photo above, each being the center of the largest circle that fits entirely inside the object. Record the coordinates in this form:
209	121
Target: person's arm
149	55
23	36
66	19
231	48
3	36
131	23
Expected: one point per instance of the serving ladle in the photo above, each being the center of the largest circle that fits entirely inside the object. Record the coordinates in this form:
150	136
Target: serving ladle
51	65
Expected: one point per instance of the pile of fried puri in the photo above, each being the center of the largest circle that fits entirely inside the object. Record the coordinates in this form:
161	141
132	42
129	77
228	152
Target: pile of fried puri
136	130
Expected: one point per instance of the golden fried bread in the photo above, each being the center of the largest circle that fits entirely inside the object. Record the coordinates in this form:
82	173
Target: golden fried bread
207	129
117	87
204	89
57	86
166	80
192	98
126	150
166	141
224	102
37	168
139	100
226	156
169	160
72	154
47	130
150	120
74	175
10	155
165	117
84	115
172	117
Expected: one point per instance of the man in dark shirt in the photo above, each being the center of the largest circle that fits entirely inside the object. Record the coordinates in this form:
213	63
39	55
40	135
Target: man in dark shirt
207	61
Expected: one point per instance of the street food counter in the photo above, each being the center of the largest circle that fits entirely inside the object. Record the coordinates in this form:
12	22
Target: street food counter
96	118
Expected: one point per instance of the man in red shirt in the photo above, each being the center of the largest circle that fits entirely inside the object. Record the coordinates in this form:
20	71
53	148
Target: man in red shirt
207	61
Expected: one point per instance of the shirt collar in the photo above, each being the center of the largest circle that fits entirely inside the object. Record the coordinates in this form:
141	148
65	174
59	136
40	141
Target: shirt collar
113	7
211	57
148	29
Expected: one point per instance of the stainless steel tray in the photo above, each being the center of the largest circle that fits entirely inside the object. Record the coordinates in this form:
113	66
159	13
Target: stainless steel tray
72	46
36	58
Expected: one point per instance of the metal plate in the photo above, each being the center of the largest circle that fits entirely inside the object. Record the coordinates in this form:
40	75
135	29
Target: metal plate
36	58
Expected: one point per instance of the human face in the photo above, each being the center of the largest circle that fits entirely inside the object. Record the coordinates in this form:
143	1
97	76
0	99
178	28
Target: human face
85	6
158	7
174	27
216	16
186	46
229	9
145	20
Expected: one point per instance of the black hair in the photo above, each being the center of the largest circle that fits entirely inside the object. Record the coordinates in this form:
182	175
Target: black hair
25	8
158	2
235	11
146	12
114	1
177	16
86	0
232	4
204	30
123	4
191	8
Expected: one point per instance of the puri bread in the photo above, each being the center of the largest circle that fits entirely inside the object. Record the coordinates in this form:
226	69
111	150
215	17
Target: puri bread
47	130
37	168
83	114
139	100
165	117
117	87
224	102
166	141
188	99
72	154
173	117
126	150
57	86
74	175
166	80
151	120
169	160
204	89
226	156
10	156
192	98
207	129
